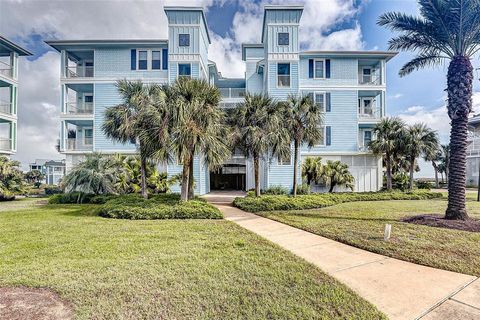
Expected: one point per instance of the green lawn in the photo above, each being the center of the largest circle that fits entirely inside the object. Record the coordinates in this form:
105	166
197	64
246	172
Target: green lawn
361	224
168	269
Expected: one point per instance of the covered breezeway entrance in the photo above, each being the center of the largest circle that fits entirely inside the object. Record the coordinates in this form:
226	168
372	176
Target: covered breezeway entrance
228	177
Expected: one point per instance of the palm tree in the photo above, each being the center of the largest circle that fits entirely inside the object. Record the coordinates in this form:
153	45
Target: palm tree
312	169
197	127
259	130
434	156
337	174
97	174
11	179
128	121
445	158
418	140
446	30
303	119
387	143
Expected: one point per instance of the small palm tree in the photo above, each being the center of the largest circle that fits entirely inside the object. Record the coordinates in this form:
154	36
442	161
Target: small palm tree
312	169
97	174
259	131
387	140
445	159
418	140
434	157
337	174
303	119
446	30
197	126
128	121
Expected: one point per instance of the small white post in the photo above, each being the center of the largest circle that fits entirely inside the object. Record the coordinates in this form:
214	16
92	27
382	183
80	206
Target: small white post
388	231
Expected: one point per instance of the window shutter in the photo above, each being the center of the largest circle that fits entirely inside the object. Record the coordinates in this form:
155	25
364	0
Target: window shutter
329	102
327	68
329	135
164	59
133	60
310	68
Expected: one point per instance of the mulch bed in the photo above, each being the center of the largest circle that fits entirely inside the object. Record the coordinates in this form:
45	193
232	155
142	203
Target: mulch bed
23	303
438	221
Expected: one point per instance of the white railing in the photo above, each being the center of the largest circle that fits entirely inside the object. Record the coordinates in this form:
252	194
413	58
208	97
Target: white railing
363	148
74	144
5	107
6	69
79	108
229	93
79	72
369	80
369	114
5	144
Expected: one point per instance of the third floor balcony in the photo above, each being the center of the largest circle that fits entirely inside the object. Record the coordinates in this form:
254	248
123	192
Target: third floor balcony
78	64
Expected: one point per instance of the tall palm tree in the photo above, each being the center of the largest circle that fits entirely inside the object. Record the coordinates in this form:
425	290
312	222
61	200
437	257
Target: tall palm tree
97	174
128	121
312	169
259	131
446	30
303	119
387	143
418	140
197	127
337	174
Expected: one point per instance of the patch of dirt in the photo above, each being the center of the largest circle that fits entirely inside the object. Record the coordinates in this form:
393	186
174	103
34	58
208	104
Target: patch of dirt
438	221
30	303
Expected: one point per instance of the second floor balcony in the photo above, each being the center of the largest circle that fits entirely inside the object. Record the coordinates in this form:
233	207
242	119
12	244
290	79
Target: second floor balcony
232	93
5	145
75	108
79	144
6	107
6	70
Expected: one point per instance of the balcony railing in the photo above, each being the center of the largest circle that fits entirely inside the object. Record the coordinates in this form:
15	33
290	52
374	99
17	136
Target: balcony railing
369	115
5	144
85	108
5	107
228	93
369	80
6	70
79	72
74	144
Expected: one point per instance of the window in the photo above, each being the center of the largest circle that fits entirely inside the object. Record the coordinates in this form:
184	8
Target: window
142	60
156	60
284	161
184	40
283	71
323	138
367	137
283	39
184	70
88	136
320	100
319	69
366	75
365	106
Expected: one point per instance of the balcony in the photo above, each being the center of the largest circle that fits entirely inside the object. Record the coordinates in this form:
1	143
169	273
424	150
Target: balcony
369	80
232	93
5	144
79	72
74	108
6	70
6	107
76	144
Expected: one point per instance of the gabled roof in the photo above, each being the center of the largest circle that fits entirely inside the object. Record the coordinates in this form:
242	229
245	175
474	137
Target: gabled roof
185	8
249	45
7	46
98	43
277	7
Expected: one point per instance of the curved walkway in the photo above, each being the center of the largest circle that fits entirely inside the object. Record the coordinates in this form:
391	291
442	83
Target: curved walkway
402	290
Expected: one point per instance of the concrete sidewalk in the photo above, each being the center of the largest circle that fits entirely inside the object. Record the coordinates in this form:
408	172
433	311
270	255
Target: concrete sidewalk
400	289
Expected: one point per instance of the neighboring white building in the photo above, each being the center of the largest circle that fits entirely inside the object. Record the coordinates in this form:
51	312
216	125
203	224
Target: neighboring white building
54	170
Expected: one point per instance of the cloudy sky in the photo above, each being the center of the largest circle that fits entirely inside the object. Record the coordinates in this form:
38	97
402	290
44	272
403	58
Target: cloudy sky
325	25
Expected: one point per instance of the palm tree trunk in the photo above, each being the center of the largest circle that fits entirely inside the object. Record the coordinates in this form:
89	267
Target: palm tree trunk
389	172
435	169
256	174
143	174
459	88
185	178
295	167
191	192
412	169
332	186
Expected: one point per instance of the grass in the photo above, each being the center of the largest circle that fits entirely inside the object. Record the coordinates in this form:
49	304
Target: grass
361	224
169	269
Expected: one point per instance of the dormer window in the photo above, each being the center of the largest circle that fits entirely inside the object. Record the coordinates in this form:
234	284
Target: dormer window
184	40
283	39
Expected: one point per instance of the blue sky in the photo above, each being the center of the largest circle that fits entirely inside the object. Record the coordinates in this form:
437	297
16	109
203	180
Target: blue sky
326	24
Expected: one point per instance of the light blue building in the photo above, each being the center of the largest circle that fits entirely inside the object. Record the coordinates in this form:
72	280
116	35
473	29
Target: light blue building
350	87
54	170
9	57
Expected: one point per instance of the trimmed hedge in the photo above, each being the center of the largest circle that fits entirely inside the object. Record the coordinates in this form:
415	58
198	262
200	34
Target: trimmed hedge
165	206
79	197
313	201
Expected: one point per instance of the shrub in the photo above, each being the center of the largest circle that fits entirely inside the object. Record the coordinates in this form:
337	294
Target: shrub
426	185
49	190
276	190
164	206
70	197
312	201
303	189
